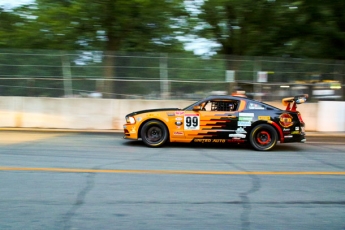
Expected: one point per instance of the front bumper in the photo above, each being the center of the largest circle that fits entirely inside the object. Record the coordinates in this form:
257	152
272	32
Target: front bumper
130	131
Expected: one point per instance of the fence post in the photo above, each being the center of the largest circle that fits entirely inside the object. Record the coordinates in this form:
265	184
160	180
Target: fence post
341	77
256	84
67	75
163	72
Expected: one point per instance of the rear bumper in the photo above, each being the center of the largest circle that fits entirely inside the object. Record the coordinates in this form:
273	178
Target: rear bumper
295	138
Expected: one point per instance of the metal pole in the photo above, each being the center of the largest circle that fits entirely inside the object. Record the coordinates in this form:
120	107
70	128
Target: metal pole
256	84
67	75
163	70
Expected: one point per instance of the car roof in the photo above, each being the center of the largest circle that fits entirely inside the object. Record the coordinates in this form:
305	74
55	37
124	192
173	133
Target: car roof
231	97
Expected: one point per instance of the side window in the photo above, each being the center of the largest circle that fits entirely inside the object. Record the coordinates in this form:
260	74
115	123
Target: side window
208	106
253	105
224	105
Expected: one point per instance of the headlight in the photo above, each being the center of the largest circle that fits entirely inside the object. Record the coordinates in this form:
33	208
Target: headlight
130	120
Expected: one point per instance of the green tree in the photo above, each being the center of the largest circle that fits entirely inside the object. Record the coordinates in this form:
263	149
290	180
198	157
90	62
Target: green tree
106	25
9	24
246	27
304	28
321	27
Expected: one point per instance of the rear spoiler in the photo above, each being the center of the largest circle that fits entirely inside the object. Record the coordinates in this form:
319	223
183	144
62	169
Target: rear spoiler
291	102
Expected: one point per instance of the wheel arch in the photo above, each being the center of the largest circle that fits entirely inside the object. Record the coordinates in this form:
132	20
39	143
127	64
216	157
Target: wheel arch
271	123
153	119
263	136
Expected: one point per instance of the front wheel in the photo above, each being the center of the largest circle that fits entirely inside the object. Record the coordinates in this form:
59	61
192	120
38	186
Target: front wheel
154	133
263	137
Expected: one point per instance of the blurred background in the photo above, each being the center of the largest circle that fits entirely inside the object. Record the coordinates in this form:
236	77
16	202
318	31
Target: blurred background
172	49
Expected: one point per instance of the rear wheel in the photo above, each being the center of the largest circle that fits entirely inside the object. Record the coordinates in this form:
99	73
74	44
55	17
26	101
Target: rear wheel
154	133
263	137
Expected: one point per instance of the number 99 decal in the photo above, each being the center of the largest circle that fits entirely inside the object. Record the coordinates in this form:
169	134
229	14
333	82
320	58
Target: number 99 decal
191	122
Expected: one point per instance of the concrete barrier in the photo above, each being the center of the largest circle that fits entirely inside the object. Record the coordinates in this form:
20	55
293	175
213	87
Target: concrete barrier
73	113
331	116
107	114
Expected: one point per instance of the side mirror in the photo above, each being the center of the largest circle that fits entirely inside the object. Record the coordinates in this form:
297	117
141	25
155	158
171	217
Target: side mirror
197	108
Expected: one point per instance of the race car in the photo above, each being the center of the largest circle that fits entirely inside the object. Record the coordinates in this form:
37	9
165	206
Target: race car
220	119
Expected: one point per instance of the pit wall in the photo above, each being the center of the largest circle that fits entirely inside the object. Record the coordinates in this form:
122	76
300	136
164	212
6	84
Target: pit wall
108	114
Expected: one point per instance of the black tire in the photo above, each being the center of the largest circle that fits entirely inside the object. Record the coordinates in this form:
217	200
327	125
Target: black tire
263	137
154	133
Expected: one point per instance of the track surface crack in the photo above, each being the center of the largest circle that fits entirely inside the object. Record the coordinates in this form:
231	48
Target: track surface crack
244	196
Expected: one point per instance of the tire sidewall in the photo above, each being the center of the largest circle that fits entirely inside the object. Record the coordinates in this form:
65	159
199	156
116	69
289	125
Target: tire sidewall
164	131
256	130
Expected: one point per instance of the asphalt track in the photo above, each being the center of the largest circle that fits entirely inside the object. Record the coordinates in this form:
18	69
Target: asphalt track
72	180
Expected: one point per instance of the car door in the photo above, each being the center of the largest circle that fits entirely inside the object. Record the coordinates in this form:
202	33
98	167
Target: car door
214	122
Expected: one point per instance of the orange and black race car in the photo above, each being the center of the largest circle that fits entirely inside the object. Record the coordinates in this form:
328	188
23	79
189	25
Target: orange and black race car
220	119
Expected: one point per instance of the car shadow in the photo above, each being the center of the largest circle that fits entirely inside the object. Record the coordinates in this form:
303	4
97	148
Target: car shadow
245	146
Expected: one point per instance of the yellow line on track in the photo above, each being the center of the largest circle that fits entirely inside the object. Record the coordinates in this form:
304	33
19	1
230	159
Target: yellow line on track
144	171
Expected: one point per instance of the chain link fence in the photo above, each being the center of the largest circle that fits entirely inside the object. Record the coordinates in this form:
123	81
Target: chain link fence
39	73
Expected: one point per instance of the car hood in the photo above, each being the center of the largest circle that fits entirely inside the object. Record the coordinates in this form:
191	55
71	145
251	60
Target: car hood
152	110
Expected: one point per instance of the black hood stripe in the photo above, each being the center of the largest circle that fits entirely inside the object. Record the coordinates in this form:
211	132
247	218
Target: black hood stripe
152	110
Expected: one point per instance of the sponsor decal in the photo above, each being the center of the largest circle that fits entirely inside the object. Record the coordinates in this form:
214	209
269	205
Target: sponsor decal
170	114
202	140
132	131
178	133
245	118
285	120
241	130
244	123
246	114
178	118
295	132
210	140
255	106
178	123
153	115
236	140
286	130
219	141
237	135
264	118
179	113
296	128
191	122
